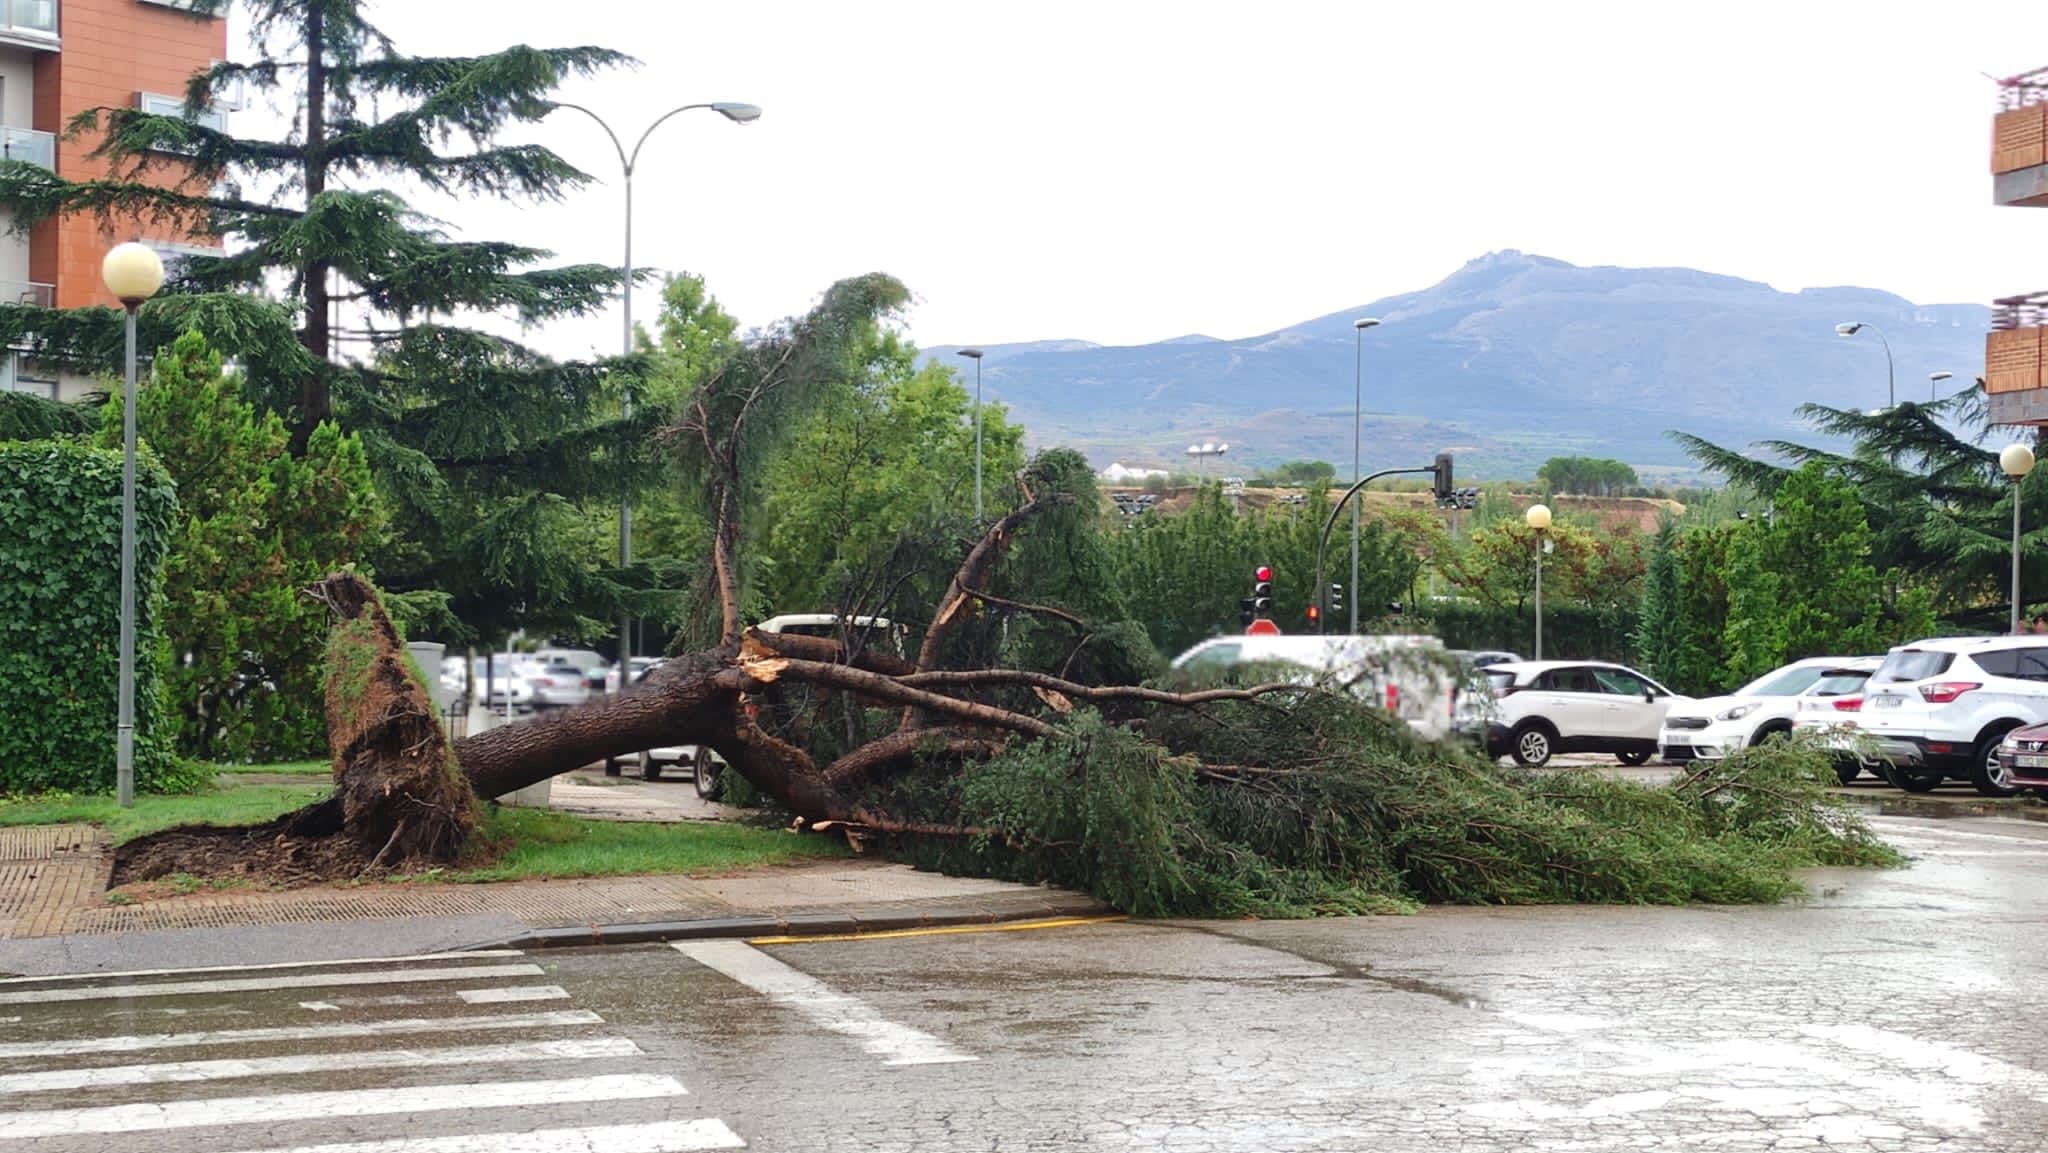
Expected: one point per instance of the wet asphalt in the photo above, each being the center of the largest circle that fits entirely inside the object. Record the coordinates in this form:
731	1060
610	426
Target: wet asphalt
1889	1010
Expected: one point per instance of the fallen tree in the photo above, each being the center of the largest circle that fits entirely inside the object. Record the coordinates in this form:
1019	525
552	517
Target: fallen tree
1030	732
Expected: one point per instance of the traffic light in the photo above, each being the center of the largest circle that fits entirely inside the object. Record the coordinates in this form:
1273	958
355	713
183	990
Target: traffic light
1336	600
1315	613
1445	492
1262	591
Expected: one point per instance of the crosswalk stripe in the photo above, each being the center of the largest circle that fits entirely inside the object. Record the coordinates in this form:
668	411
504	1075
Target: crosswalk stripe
257	984
656	1137
145	1041
51	1080
895	1044
282	1107
521	993
477	955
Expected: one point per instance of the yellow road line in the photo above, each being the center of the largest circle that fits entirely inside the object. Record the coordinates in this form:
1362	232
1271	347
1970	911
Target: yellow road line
942	930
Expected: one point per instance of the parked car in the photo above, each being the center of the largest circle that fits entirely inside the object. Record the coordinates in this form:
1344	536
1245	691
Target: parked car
1472	694
1829	710
590	664
1715	727
637	668
1939	709
1548	707
2024	755
558	686
1412	676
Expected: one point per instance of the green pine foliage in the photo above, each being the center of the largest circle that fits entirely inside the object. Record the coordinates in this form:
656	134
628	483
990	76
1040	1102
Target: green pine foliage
60	614
1320	805
1657	625
255	526
24	416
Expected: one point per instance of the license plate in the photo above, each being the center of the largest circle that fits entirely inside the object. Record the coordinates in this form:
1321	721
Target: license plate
1884	702
2031	761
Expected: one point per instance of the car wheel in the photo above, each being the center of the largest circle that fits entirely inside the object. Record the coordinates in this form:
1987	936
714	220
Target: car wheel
1763	735
1633	759
1990	776
705	770
1914	780
2039	794
1532	746
611	766
650	769
1847	771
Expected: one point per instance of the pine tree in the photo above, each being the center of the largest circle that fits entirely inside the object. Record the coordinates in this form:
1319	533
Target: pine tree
1657	621
484	447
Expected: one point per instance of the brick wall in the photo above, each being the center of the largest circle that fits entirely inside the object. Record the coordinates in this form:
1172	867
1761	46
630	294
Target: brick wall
113	49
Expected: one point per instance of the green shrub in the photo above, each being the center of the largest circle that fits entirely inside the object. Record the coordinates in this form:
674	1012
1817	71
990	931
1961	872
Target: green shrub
60	617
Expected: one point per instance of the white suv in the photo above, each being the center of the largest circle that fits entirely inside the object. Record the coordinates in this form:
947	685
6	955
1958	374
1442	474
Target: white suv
1548	707
1717	727
1937	709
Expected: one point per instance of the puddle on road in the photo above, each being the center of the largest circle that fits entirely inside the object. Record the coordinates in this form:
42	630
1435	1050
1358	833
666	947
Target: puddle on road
1906	805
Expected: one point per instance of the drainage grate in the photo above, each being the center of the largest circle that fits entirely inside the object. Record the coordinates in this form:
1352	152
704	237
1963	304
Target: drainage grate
49	843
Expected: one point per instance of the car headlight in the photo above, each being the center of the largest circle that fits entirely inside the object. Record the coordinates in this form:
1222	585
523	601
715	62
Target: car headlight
1736	713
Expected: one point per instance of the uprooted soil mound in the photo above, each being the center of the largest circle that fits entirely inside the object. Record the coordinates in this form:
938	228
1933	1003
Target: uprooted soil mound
307	847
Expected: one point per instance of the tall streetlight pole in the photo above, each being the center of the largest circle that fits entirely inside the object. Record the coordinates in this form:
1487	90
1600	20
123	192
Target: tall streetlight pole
975	354
1358	328
1851	328
1538	518
2016	461
133	273
1934	380
628	161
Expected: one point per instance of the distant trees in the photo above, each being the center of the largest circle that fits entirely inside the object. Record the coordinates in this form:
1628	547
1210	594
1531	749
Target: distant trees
1302	473
1587	476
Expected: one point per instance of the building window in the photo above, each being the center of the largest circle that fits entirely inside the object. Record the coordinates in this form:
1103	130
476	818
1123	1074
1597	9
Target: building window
156	104
185	6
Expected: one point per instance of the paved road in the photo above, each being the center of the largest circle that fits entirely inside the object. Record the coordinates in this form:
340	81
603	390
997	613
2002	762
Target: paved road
1891	1011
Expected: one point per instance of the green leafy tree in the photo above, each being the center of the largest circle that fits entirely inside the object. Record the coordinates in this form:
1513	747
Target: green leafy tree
1586	475
484	449
1657	628
255	526
1302	473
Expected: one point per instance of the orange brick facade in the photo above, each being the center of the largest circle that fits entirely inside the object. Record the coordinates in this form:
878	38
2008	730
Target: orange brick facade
112	50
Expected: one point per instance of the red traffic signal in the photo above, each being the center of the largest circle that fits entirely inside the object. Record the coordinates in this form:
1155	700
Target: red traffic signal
1262	574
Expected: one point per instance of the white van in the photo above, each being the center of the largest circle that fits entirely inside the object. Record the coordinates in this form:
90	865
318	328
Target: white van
1412	676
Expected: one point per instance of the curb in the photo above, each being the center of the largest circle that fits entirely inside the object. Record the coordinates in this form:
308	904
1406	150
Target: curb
869	919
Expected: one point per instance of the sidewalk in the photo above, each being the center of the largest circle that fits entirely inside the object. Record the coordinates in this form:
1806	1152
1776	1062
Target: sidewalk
53	882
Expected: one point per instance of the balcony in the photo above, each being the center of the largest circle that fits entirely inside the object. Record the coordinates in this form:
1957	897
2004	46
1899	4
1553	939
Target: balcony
2019	141
29	146
2015	383
30	22
28	292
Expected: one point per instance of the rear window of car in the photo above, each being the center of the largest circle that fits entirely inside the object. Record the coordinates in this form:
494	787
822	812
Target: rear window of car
1785	683
1839	684
1912	665
1500	682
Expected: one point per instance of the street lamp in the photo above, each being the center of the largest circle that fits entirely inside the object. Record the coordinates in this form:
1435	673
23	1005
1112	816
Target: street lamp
974	354
2016	461
133	273
1851	328
738	114
1538	518
1201	452
1358	328
1934	380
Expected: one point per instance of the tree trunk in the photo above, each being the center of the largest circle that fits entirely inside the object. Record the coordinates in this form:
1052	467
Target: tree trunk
317	335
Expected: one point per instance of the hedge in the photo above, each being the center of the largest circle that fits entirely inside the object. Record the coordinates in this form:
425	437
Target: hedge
60	617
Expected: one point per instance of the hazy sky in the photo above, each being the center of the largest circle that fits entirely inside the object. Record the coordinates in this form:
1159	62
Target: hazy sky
1125	172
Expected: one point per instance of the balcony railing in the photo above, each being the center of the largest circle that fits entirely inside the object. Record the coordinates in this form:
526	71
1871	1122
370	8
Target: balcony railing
37	18
28	292
2014	379
26	144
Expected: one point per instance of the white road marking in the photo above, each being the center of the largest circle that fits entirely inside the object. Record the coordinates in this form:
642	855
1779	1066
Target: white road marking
320	1006
256	984
658	1137
520	993
145	1041
896	1044
51	1080
479	955
283	1107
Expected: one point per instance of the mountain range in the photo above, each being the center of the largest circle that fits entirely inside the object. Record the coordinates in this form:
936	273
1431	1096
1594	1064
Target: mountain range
1508	361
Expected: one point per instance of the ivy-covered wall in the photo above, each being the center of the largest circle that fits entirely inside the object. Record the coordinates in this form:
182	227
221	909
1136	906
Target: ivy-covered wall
60	616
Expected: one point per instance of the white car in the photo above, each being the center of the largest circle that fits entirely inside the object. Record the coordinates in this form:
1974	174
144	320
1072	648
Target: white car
1829	710
1715	727
1412	676
1937	709
1543	708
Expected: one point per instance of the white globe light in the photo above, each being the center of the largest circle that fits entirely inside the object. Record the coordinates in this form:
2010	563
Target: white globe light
132	272
2017	460
1538	517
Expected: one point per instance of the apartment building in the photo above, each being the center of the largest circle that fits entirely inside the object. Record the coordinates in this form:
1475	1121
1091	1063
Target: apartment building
57	59
2015	351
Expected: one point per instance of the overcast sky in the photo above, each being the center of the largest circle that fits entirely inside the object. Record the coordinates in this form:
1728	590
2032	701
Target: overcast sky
1126	172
